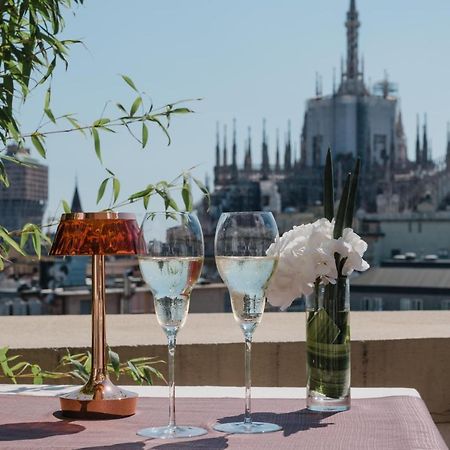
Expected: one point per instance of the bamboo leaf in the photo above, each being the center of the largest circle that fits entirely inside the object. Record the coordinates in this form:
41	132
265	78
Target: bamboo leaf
163	128
97	144
348	222
130	82
101	122
145	200
47	109
24	237
141	194
66	207
36	239
204	190
116	188
144	134
122	108
115	362
3	175
181	111
75	124
36	140
48	112
135	106
328	188
101	189
186	193
10	241
47	98
20	366
340	216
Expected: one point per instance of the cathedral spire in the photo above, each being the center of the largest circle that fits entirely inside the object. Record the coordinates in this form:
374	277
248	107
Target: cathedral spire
217	146
448	147
277	158
248	153
418	158
352	24
334	80
76	201
225	157
234	149
448	138
425	155
288	150
265	153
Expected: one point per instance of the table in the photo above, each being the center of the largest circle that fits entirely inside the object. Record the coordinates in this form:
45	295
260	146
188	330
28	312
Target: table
380	418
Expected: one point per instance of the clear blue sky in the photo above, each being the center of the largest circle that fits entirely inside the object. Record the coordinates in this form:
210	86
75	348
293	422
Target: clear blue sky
247	59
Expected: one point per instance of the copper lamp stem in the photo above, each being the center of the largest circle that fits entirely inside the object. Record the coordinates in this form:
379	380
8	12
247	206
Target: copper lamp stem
99	357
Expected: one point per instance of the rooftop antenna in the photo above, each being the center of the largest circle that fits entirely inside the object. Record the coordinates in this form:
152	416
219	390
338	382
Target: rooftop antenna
317	84
334	80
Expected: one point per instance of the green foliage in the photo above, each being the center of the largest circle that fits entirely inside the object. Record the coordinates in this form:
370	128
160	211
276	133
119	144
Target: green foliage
141	369
13	369
78	367
29	53
163	189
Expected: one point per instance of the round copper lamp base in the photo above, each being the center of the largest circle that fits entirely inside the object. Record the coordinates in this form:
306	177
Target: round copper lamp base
113	404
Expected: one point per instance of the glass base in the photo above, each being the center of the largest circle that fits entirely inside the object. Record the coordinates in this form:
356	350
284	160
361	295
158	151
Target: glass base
171	432
247	428
321	403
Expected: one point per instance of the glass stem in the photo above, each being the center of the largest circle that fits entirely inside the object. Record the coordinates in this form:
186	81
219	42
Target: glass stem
172	341
248	378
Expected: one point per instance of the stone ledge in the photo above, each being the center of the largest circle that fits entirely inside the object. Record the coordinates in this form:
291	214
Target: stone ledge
389	349
21	332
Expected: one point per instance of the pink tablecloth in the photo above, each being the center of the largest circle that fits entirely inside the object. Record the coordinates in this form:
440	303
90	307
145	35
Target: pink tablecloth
28	422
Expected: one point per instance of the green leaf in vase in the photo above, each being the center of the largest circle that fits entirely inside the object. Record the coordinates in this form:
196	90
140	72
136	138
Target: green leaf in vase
321	328
348	221
340	216
328	188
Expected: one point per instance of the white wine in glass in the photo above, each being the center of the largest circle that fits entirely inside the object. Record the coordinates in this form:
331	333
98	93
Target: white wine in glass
246	278
171	263
241	243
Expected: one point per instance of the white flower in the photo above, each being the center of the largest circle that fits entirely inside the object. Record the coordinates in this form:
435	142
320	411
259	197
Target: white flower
352	247
306	253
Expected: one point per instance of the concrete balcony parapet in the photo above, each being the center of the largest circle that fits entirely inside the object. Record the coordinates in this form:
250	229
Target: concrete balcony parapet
389	349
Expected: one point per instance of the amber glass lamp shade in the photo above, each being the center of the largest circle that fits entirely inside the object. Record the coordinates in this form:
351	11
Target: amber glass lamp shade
100	233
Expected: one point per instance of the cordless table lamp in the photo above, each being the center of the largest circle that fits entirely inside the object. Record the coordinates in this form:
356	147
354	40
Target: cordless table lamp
97	234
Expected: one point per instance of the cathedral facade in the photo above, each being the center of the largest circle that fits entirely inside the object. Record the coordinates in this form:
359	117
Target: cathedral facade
355	121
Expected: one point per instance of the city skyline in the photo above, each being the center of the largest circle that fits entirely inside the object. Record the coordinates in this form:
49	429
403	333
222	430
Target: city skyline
269	73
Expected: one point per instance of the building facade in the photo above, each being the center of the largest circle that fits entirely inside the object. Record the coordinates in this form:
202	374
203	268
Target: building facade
26	198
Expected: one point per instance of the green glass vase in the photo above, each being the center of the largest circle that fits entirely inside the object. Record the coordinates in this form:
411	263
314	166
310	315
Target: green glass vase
328	347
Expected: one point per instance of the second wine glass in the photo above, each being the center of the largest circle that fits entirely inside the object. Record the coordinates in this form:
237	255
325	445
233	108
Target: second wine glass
241	242
171	262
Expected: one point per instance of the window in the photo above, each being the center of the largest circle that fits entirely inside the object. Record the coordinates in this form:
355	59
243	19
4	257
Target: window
445	304
85	306
379	149
408	304
317	150
372	304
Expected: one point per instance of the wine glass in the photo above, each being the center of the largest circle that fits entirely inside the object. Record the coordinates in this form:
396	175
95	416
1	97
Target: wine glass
241	242
171	263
